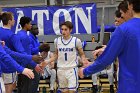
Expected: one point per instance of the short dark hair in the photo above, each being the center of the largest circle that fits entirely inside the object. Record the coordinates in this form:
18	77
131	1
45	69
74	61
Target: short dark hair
118	13
136	5
123	6
24	20
68	24
44	47
5	17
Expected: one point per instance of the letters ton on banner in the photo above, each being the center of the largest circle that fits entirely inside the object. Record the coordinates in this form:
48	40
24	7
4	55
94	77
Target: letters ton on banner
48	18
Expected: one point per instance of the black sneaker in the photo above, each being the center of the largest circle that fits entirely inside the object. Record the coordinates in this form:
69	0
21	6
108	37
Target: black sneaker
51	91
111	89
95	89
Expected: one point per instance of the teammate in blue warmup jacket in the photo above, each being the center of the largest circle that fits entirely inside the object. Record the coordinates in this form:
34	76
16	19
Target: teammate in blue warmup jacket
34	45
25	84
34	42
5	58
124	44
13	42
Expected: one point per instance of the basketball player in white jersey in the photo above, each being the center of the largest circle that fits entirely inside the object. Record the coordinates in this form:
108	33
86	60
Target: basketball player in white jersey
49	69
67	48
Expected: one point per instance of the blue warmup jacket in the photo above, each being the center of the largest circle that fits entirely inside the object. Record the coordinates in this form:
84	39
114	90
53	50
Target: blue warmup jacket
21	59
13	42
25	40
8	61
124	44
34	44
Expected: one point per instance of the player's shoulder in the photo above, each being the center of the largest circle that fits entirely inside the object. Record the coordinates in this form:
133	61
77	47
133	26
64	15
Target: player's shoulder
19	33
126	25
75	38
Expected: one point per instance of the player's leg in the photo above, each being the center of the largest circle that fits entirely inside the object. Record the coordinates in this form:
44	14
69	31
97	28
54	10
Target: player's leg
14	85
94	79
2	87
9	81
35	81
111	80
62	80
24	84
72	76
52	80
9	88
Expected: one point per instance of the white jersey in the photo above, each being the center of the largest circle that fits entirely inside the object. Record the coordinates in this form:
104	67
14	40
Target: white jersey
48	56
67	52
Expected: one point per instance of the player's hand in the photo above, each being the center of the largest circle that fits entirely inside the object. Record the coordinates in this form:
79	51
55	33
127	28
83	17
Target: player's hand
37	58
43	64
28	72
85	62
38	69
80	72
97	52
2	43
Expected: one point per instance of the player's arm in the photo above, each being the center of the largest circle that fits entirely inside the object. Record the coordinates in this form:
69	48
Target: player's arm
81	52
8	61
53	62
23	59
53	58
55	54
113	49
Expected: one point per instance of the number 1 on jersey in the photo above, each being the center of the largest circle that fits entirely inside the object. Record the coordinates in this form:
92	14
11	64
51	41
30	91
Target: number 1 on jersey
65	56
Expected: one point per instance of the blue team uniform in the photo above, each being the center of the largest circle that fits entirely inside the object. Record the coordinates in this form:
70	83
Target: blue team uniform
8	61
25	40
34	44
13	42
124	44
25	84
22	59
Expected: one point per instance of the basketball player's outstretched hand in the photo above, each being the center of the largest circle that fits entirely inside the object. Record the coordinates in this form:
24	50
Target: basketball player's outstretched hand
80	72
38	69
28	72
37	58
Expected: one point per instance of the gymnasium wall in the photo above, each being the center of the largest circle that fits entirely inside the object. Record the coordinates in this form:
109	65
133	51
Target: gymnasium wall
109	4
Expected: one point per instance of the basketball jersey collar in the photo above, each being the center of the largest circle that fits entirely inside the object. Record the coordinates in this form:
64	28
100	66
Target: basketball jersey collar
68	41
